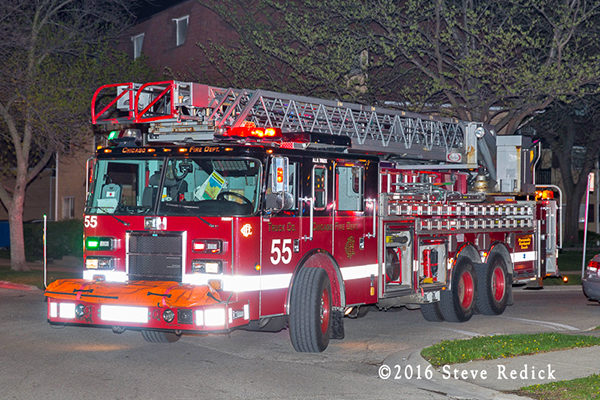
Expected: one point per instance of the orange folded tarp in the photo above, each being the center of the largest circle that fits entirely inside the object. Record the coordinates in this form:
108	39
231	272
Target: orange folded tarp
139	293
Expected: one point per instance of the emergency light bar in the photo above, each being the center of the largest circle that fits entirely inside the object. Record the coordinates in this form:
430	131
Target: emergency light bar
252	132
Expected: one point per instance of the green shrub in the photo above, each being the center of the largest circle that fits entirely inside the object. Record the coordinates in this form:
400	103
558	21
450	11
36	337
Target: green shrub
592	238
63	238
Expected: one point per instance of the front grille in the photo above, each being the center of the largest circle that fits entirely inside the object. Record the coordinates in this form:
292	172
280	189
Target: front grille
155	257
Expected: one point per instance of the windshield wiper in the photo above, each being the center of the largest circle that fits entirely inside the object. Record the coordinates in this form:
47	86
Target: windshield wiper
186	206
206	222
107	212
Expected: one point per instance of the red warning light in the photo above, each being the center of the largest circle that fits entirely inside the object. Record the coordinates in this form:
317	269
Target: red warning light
248	131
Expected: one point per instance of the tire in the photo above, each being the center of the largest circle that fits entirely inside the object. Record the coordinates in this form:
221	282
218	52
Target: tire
458	304
310	311
363	311
431	312
159	336
492	287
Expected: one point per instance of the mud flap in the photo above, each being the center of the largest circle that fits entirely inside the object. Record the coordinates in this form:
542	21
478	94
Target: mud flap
510	300
337	324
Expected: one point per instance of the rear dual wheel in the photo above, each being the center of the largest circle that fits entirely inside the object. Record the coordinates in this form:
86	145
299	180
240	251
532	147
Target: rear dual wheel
492	287
431	312
458	304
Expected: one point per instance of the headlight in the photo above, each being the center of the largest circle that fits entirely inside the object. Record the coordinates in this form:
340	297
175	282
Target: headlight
168	315
207	266
207	246
103	263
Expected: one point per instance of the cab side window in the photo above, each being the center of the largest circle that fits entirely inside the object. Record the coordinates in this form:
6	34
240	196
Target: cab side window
349	188
319	188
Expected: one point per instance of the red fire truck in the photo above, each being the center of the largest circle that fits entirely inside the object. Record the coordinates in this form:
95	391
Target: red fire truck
213	209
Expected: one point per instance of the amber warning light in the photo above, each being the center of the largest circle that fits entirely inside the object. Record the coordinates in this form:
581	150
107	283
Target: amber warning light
544	194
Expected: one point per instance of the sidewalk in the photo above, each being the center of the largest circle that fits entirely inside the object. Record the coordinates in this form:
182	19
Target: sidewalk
513	373
490	379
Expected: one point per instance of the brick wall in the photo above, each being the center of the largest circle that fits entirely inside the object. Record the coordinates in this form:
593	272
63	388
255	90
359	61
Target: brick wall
185	62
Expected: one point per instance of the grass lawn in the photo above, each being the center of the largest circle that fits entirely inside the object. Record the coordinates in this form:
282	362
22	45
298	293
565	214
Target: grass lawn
571	260
573	280
576	389
502	346
35	277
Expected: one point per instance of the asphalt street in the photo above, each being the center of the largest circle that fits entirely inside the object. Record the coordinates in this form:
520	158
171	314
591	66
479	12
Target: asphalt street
45	362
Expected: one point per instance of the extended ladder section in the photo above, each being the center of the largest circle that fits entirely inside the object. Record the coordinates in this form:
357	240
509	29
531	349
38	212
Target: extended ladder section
183	111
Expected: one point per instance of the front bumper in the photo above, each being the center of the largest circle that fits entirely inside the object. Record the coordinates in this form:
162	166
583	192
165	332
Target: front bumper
143	305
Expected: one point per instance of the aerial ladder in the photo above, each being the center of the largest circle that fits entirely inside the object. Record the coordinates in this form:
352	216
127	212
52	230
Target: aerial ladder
187	112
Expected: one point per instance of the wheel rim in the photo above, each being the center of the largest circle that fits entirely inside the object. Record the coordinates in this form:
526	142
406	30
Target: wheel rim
498	283
466	290
325	309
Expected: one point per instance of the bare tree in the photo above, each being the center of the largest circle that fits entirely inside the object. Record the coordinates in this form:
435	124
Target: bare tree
564	126
52	54
494	61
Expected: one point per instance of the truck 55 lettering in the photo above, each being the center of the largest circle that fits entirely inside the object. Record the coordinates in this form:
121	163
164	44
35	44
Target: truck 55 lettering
281	251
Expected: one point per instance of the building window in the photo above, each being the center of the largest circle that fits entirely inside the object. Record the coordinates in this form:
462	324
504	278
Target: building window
138	41
181	26
68	207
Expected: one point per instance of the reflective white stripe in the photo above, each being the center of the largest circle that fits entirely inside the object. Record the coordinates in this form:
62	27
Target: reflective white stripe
524	256
242	283
109	276
249	283
124	314
359	271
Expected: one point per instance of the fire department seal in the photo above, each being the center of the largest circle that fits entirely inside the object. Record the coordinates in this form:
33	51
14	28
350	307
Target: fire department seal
350	247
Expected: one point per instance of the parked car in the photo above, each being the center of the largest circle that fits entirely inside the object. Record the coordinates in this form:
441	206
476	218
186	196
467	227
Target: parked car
591	279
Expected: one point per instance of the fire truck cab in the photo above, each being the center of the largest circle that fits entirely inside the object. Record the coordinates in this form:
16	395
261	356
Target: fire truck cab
215	209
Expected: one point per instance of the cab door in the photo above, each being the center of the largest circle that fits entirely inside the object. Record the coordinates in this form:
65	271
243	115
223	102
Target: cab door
280	233
354	244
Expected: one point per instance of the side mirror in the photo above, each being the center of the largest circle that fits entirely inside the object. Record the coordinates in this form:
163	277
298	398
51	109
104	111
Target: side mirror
278	197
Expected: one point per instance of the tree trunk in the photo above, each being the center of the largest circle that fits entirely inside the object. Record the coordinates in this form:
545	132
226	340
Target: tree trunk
574	195
17	240
571	221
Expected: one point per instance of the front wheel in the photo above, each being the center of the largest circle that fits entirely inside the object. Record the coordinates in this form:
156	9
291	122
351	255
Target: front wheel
310	311
492	287
458	304
159	336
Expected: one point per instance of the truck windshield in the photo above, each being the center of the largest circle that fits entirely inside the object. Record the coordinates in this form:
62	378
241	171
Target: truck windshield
180	186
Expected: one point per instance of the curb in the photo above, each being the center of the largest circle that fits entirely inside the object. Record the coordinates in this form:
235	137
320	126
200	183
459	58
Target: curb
17	286
551	288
